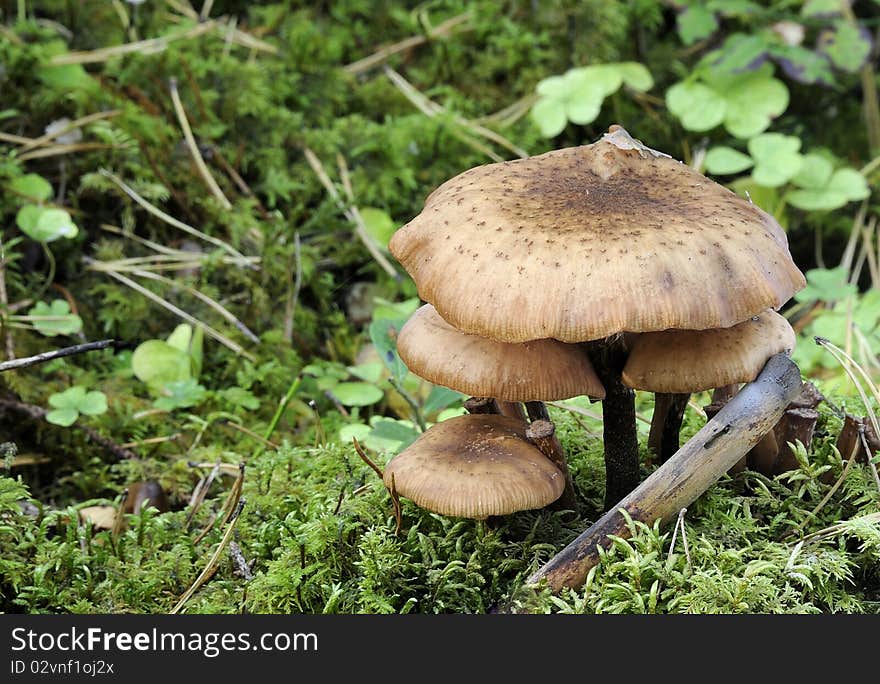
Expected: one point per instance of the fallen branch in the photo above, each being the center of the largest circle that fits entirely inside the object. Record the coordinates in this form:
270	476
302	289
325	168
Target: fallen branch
687	474
56	354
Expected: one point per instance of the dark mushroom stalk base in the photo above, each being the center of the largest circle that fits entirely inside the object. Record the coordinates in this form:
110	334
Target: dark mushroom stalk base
619	434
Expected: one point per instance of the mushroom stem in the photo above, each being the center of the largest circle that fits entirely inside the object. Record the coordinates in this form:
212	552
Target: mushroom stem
513	409
542	433
619	434
537	410
684	477
666	423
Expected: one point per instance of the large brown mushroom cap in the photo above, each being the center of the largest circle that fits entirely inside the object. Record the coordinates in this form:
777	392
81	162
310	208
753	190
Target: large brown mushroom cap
582	243
475	466
682	361
543	370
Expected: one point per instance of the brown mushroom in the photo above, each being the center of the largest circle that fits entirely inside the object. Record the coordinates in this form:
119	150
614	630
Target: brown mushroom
675	363
584	243
474	466
542	370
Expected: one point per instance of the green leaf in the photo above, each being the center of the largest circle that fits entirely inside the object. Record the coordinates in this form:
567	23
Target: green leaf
157	363
391	435
64	77
816	200
826	285
395	310
62	417
847	45
180	394
753	100
27	217
725	160
94	403
71	398
596	81
180	337
697	106
815	172
357	393
383	335
379	225
439	398
550	116
65	323
813	8
695	23
740	52
360	431
32	186
803	65
239	397
850	183
777	158
635	75
45	224
368	372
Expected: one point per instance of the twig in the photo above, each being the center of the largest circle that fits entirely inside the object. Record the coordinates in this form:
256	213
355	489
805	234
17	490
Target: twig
241	565
220	337
293	292
158	213
55	354
4	306
679	523
366	459
199	493
56	150
76	123
440	31
194	148
213	562
350	213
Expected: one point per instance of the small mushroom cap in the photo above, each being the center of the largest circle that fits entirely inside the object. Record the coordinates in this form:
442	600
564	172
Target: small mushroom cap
543	370
475	466
582	243
682	361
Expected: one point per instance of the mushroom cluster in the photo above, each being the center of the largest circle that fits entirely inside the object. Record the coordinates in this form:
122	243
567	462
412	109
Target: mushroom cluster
593	270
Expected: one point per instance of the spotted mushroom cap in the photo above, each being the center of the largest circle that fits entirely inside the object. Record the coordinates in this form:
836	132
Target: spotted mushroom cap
586	242
542	370
475	466
682	361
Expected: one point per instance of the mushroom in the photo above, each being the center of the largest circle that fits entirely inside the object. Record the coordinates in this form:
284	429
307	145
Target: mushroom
674	363
532	372
474	466
582	244
541	370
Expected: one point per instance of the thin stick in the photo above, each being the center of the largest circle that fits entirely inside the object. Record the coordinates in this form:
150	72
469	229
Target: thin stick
293	292
194	148
213	563
220	337
219	308
366	459
56	150
158	213
56	354
76	123
351	213
441	30
4	306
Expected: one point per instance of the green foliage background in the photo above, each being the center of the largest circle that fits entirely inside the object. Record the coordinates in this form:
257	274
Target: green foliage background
261	83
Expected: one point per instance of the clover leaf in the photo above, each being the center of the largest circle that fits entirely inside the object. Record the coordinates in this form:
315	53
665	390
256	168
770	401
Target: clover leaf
180	394
826	285
777	158
32	186
578	94
74	401
847	45
820	187
379	225
745	103
723	160
695	23
54	319
45	224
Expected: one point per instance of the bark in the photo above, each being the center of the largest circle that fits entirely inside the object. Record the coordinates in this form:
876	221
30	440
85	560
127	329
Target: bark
737	427
481	405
